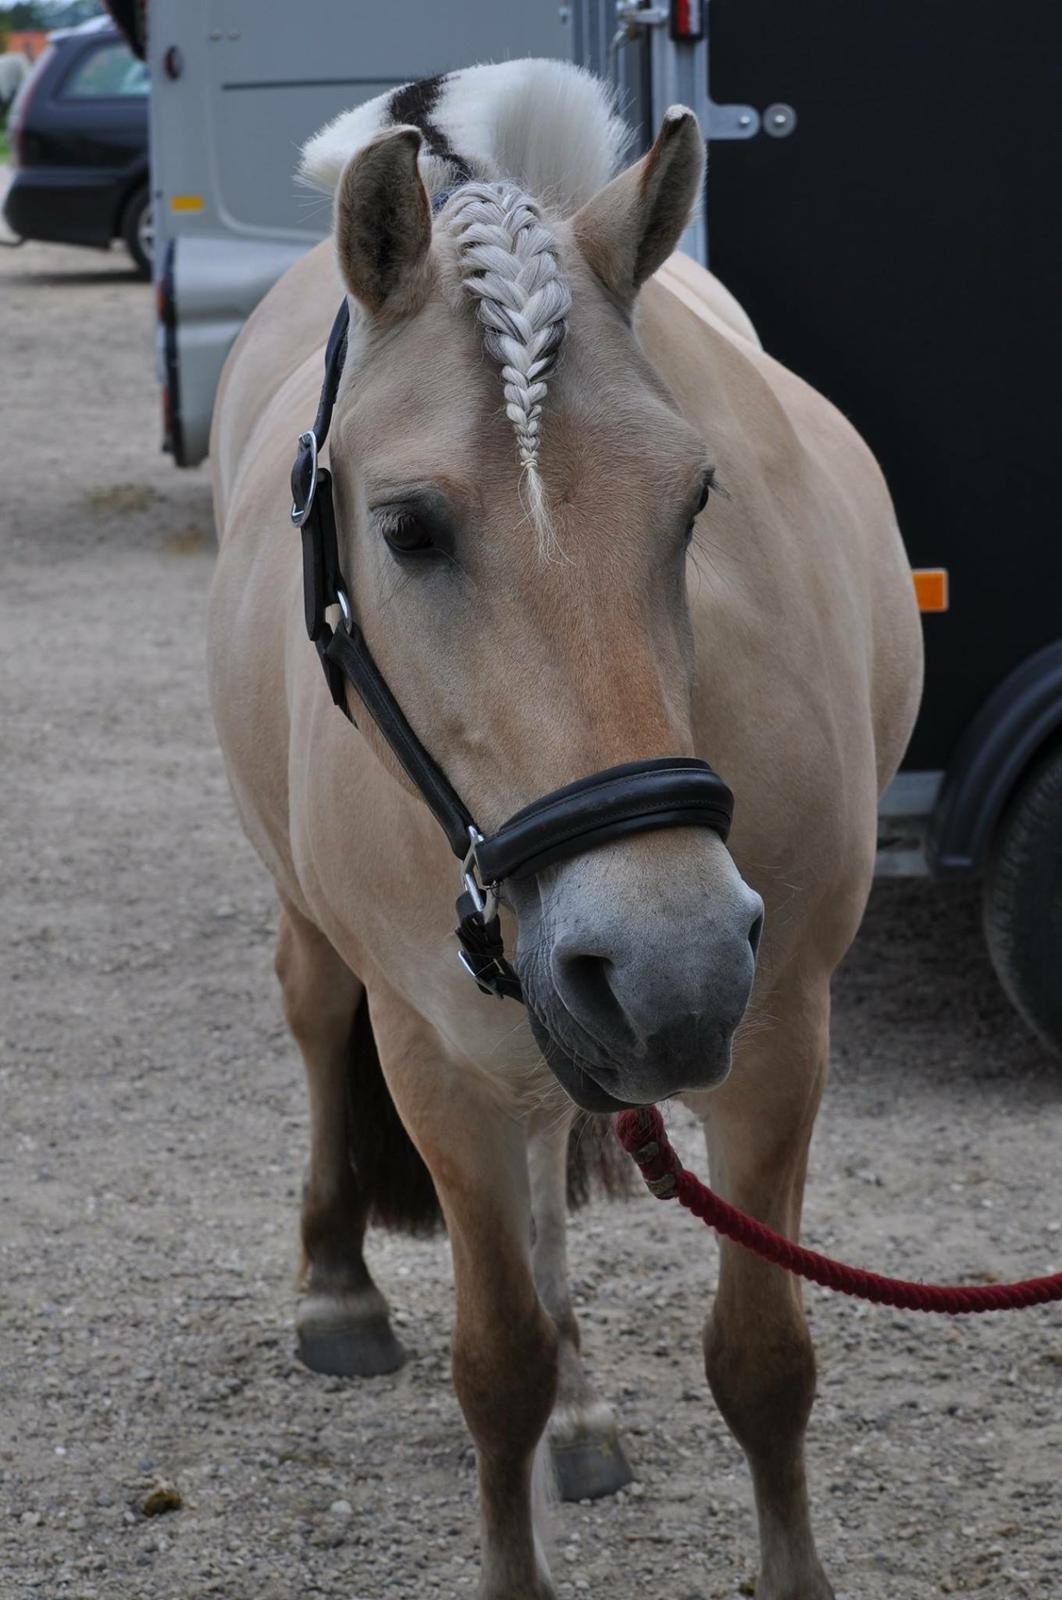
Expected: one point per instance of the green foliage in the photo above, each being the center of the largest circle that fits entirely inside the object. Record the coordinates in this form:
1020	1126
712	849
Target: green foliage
25	14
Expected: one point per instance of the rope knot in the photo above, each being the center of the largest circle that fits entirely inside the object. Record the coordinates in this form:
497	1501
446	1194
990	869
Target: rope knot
641	1133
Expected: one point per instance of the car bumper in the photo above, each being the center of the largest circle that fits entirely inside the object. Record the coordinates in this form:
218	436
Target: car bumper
63	206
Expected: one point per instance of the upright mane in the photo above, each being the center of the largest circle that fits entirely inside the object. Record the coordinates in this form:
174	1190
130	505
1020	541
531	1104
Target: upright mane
546	127
501	145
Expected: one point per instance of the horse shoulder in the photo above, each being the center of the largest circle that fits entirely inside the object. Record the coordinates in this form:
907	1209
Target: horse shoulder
807	637
808	505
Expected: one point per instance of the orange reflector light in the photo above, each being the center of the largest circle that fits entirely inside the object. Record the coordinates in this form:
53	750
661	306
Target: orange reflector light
186	202
931	588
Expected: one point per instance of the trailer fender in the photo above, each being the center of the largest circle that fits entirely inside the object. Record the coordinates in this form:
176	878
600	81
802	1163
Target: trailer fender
1012	727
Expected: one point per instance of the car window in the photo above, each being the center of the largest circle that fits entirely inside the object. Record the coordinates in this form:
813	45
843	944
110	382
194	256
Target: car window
111	71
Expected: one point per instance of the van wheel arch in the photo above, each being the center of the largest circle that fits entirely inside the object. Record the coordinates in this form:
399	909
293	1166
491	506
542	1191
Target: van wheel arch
1022	905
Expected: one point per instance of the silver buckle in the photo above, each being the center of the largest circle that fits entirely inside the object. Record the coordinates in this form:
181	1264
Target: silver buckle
344	606
483	896
299	513
482	979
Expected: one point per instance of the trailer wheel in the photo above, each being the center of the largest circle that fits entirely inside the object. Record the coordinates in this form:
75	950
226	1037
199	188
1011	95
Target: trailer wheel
137	232
1023	901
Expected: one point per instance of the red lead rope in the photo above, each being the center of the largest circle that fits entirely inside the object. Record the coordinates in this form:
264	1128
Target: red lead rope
643	1136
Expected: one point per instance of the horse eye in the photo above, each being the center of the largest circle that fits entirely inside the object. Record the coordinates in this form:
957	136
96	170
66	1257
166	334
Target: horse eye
406	534
706	489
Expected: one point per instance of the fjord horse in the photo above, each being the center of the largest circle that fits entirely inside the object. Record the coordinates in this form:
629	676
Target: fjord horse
585	520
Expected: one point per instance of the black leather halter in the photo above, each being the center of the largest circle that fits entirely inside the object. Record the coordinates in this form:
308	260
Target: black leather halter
667	792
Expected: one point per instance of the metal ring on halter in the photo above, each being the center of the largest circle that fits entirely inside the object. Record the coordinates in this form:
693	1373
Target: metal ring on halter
344	606
299	512
483	896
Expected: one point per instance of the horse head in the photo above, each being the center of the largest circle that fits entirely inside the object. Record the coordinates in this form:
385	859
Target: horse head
516	492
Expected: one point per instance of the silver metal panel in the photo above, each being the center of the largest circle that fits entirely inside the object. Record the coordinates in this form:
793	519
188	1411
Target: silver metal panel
904	811
680	77
904	863
218	281
607	49
272	84
255	83
911	794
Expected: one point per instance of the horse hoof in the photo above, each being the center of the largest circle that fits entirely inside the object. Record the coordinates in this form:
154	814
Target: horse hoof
337	1337
589	1469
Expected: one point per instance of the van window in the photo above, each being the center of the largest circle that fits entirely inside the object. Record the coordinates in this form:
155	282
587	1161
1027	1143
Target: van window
109	72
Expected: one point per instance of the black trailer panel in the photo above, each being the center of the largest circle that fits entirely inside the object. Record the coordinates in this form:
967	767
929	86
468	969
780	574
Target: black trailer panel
901	248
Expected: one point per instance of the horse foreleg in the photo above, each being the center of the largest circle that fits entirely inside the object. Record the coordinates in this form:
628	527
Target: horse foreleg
758	1352
504	1343
588	1458
342	1319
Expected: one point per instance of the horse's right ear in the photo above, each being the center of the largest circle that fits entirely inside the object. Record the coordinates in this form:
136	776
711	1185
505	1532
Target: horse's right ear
383	224
631	227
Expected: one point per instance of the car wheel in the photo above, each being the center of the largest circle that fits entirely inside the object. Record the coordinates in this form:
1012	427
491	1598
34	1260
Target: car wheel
1023	901
138	234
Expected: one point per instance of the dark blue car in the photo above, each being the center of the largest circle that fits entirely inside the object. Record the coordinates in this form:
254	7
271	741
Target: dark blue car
80	145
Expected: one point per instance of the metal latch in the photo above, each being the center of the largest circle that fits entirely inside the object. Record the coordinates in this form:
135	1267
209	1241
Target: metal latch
632	19
720	121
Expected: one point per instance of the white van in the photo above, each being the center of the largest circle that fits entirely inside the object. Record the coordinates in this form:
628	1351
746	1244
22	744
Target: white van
236	87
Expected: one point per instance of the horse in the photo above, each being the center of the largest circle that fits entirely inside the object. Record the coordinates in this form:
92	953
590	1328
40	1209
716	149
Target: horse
586	520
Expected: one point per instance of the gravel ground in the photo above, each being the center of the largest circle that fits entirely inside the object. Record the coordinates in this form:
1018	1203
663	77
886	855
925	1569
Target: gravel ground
153	1131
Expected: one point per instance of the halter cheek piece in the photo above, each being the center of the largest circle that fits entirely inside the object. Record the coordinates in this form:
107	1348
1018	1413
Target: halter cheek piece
669	792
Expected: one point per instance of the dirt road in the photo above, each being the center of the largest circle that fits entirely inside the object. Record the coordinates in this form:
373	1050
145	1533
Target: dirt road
152	1136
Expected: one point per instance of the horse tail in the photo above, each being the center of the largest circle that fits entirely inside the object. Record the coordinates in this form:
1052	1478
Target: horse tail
596	1161
394	1181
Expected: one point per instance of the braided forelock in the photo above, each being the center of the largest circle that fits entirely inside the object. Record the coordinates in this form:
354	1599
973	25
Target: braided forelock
508	262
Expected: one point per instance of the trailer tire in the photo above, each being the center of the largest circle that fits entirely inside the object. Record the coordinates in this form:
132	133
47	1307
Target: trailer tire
137	235
1023	901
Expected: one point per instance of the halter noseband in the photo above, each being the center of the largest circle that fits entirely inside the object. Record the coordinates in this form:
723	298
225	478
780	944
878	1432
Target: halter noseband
666	792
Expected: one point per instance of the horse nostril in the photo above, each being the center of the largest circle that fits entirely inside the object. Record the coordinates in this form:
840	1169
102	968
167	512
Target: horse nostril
756	933
587	979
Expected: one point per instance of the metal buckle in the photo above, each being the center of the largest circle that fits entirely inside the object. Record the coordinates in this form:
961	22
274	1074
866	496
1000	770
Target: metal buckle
299	513
483	976
344	606
487	977
483	896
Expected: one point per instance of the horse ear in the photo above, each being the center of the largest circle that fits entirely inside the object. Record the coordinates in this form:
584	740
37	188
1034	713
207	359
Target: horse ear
631	227
383	224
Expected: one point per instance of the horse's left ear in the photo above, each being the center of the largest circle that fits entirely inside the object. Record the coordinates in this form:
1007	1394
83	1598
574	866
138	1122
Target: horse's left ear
383	224
632	226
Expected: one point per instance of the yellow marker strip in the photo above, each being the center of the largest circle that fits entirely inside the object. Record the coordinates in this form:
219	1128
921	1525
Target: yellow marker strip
931	588
186	202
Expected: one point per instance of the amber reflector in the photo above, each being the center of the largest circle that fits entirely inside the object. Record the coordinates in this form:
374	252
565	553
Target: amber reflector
931	588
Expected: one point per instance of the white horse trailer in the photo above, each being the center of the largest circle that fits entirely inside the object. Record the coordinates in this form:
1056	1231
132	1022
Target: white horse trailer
236	88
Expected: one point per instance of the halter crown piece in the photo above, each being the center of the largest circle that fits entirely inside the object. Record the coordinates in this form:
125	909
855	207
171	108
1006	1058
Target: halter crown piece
666	792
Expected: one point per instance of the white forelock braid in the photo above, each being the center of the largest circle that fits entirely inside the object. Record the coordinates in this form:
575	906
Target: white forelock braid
508	262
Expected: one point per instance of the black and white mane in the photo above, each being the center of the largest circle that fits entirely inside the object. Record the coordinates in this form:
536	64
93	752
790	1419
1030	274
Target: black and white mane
503	146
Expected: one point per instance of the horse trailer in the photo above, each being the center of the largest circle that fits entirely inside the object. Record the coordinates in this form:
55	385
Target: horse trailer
875	199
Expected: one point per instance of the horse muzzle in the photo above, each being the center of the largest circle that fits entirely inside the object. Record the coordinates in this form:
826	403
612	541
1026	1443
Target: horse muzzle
634	992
